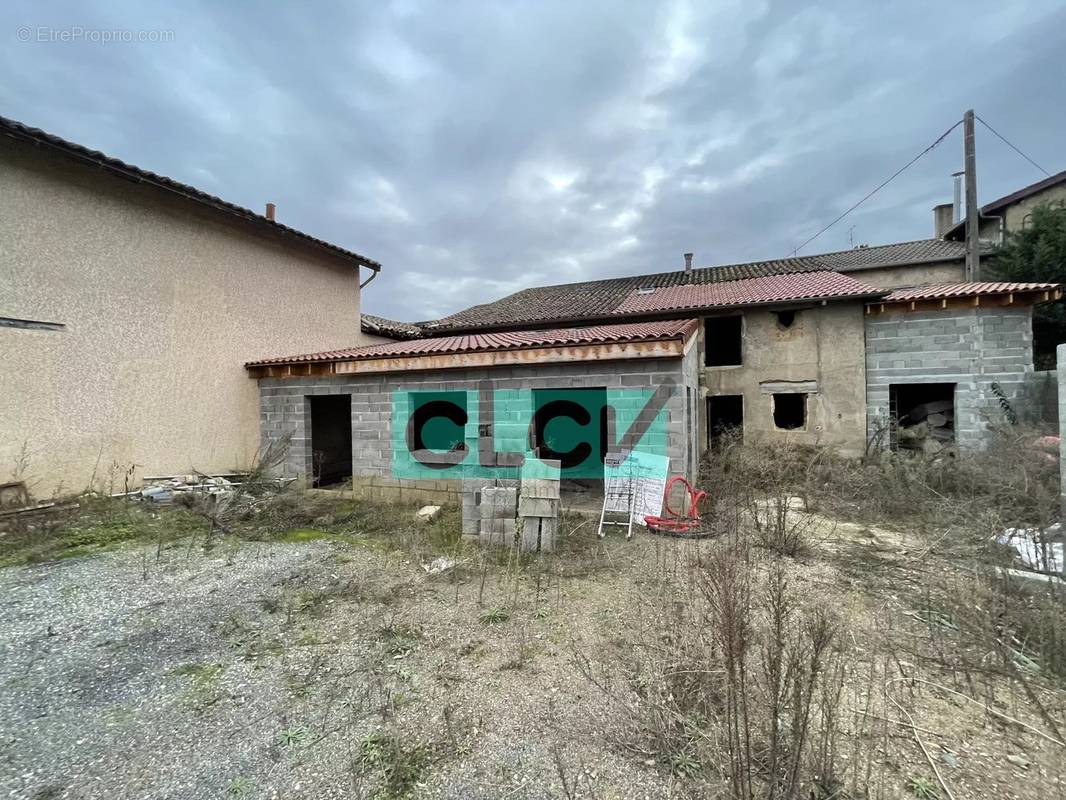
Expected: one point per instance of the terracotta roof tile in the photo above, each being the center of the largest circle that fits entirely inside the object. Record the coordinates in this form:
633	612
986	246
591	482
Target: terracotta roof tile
773	288
937	291
508	340
380	326
599	299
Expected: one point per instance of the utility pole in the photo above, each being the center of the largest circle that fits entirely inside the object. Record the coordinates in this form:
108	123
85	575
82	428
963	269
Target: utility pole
973	253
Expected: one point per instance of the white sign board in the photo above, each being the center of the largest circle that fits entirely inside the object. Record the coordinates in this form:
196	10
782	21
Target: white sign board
639	479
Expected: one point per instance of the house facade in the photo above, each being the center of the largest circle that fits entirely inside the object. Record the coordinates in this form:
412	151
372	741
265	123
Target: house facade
129	302
1013	211
816	350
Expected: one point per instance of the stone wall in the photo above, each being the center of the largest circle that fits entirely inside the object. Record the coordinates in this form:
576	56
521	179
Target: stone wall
284	411
972	348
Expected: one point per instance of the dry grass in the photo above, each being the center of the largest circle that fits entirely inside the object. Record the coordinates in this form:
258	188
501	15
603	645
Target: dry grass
846	635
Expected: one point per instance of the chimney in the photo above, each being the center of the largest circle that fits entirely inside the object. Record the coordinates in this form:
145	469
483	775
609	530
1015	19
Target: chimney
688	262
943	219
270	211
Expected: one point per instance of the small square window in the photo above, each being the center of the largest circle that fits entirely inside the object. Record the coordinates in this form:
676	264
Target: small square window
790	411
723	341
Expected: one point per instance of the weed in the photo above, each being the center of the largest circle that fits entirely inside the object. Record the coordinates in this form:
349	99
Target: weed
240	787
204	681
302	535
293	737
399	639
923	788
685	765
400	763
494	616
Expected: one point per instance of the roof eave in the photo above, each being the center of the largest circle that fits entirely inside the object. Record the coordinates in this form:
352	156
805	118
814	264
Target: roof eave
683	335
136	175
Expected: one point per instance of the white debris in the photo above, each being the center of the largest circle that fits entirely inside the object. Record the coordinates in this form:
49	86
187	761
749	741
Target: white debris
439	565
428	513
1037	549
163	490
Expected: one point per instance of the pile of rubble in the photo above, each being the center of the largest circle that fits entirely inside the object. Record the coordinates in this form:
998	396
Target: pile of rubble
164	490
927	427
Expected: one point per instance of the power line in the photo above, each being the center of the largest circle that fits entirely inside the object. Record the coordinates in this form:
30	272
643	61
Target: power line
881	186
1003	139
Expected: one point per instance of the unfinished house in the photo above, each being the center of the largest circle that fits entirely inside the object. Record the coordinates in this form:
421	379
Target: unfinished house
128	304
359	391
818	350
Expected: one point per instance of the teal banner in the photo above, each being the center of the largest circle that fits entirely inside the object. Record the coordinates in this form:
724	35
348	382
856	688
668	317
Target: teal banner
483	432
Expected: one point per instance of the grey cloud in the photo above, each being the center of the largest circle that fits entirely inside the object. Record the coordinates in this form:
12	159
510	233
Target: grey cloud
476	148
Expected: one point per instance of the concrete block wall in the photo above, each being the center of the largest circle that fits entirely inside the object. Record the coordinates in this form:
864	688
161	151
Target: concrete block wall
972	348
285	409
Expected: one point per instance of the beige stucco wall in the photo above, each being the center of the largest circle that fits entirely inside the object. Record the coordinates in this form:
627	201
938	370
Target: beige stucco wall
373	338
895	277
823	344
163	302
1017	213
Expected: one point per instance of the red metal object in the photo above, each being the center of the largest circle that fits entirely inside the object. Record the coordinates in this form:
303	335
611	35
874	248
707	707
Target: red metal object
672	521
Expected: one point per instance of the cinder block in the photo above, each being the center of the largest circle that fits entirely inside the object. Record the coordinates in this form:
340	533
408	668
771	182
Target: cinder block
529	539
497	532
537	507
541	488
548	530
498	503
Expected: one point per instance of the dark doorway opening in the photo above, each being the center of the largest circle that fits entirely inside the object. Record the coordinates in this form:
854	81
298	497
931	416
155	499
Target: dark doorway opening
331	438
723	341
571	425
725	418
921	416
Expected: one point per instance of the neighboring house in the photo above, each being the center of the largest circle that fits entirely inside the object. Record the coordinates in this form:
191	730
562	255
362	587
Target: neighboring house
129	302
817	350
1011	212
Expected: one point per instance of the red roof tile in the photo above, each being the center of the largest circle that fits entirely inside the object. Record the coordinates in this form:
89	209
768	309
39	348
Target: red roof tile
769	289
570	303
936	291
508	340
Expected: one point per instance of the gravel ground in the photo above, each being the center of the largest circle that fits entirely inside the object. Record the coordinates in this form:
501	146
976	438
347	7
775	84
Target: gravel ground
131	675
274	670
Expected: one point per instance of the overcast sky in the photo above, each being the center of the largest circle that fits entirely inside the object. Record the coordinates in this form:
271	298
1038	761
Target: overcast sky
475	148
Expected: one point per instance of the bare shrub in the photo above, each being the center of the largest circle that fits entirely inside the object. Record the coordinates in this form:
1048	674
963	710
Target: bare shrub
727	675
761	490
1011	481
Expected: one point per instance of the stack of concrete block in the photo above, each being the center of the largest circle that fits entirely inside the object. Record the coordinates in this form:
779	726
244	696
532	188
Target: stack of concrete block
471	500
538	509
498	524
